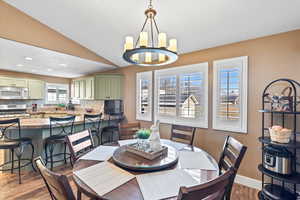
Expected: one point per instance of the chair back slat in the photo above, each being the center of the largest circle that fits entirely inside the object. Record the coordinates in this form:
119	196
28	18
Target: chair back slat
212	190
128	131
81	146
79	143
183	134
57	184
232	156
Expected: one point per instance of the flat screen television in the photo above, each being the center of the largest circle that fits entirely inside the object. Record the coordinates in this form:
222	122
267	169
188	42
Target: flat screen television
113	107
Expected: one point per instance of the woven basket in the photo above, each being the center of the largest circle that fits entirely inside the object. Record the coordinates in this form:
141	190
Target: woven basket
280	136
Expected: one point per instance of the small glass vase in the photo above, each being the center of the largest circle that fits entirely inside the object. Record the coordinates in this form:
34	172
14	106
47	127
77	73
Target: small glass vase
142	144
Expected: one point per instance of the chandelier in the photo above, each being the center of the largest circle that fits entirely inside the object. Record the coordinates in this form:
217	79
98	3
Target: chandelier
151	48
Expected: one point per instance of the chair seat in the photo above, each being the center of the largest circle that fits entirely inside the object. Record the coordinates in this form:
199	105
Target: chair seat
56	139
110	128
9	144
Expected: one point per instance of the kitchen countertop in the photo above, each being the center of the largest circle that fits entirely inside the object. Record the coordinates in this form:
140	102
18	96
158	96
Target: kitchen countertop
35	123
28	123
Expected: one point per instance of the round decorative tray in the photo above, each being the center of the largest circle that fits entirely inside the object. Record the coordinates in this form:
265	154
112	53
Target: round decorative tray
133	162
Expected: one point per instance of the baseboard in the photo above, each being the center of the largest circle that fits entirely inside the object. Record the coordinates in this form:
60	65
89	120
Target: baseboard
249	182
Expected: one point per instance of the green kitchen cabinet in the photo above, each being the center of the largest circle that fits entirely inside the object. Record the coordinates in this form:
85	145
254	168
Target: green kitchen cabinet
89	88
82	89
76	89
36	89
14	82
108	86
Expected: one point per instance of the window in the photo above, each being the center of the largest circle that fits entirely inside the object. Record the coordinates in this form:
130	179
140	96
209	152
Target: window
181	95
230	94
57	93
144	96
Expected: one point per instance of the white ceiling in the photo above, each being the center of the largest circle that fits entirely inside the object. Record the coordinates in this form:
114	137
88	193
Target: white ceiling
44	62
101	25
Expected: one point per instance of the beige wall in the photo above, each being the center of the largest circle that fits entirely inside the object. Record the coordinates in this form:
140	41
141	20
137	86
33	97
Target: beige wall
16	25
49	79
270	58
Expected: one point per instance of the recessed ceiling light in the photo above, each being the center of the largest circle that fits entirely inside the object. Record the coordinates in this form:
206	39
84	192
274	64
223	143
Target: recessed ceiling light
20	65
28	58
49	70
63	65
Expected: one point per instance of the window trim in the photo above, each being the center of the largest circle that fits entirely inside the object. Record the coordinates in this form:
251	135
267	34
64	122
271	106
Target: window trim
56	85
242	63
141	75
199	67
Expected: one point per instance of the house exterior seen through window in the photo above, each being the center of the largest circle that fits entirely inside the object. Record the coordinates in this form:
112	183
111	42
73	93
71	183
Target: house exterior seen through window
181	95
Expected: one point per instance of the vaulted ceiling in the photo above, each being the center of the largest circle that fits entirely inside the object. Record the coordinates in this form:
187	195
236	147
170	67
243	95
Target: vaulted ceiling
101	25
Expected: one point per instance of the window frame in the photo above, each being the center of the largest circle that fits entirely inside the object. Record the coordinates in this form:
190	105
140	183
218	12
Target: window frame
57	85
148	75
242	64
177	71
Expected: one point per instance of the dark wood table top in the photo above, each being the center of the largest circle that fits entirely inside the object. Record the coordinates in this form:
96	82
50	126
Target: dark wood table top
131	190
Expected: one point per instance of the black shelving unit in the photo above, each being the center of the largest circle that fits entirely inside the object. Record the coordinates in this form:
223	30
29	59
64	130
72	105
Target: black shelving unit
271	187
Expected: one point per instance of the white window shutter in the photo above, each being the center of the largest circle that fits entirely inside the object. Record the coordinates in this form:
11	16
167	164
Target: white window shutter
230	94
144	96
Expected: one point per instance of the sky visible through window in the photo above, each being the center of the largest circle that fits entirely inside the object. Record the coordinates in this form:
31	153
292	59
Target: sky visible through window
229	94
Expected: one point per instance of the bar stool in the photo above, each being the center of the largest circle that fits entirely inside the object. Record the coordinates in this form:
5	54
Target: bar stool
95	125
15	145
112	127
65	126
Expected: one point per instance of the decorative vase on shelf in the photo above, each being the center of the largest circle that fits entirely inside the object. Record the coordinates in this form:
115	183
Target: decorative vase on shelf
154	139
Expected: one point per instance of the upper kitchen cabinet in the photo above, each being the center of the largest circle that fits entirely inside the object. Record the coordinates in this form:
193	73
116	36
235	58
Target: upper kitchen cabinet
108	86
13	82
89	88
36	89
83	88
100	87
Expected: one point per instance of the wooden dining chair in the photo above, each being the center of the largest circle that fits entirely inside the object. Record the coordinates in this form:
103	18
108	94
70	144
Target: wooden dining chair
79	144
183	134
212	190
232	156
58	185
128	131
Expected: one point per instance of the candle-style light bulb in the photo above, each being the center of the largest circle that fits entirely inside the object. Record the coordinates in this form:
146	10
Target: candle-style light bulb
161	57
143	39
162	40
148	57
135	57
173	45
128	43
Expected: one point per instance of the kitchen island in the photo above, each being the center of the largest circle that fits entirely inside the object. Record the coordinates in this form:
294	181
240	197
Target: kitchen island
38	129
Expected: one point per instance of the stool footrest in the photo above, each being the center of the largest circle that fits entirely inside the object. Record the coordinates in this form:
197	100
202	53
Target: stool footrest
16	166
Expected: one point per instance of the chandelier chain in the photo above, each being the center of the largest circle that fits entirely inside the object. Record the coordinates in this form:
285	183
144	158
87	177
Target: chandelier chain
150	4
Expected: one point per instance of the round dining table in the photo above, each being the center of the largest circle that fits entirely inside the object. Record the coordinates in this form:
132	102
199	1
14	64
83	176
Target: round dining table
131	190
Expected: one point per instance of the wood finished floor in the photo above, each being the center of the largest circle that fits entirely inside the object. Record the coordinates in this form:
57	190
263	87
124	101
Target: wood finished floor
33	188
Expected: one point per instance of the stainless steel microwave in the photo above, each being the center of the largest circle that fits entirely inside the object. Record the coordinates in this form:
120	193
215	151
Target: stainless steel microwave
13	93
